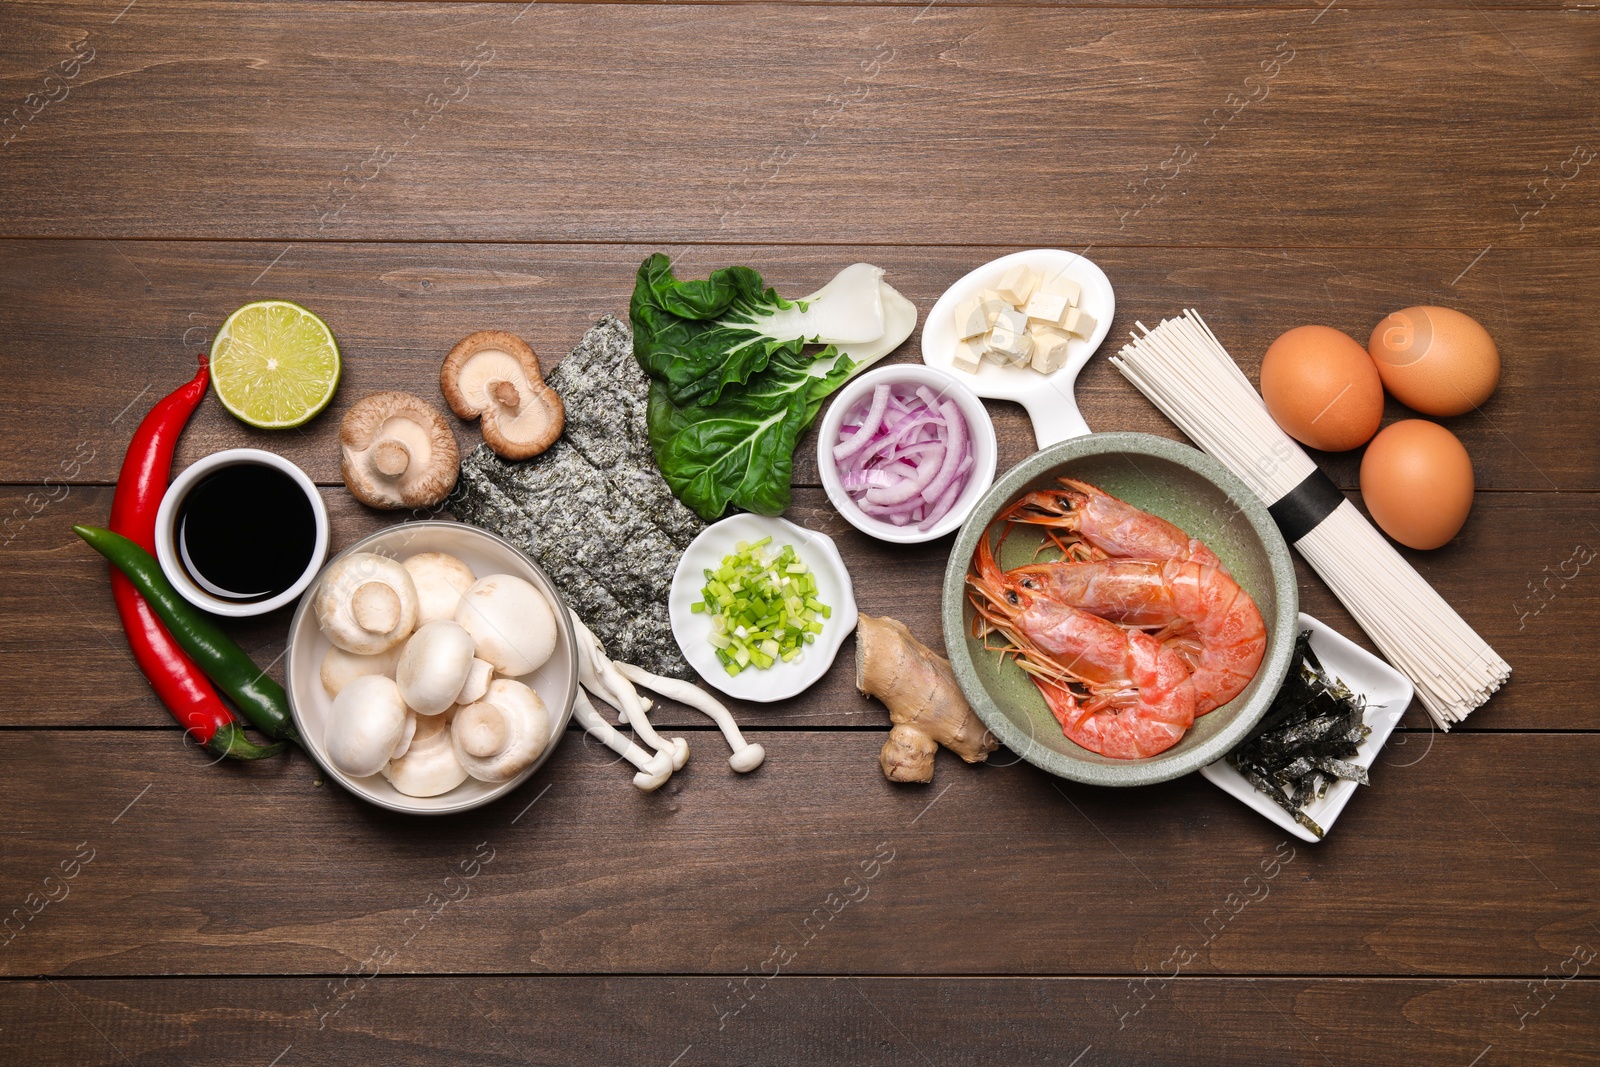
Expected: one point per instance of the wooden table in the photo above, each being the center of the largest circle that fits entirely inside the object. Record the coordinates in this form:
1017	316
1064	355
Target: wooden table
417	171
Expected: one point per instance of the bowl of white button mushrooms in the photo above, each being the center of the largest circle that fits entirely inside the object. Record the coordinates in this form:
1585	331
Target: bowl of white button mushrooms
432	668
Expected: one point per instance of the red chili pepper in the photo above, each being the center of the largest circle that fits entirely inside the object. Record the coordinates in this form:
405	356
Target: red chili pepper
186	692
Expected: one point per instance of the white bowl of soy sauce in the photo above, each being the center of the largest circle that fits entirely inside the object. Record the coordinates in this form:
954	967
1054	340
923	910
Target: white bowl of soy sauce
241	532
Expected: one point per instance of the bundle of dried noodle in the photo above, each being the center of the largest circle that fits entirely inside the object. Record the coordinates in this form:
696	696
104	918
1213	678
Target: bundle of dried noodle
1187	373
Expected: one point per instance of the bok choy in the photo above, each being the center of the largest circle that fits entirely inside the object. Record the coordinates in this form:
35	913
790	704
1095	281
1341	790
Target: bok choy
736	374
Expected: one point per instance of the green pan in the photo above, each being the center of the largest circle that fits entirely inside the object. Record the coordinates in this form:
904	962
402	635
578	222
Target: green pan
1183	486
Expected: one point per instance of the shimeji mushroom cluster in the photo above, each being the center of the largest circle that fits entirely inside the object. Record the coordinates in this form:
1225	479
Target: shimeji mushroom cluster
424	671
614	683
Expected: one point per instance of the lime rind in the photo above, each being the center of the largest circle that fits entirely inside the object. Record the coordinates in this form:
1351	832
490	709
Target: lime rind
274	365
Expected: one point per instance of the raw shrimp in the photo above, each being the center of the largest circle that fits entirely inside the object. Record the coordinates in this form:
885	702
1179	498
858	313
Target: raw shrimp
1105	525
1139	699
1198	611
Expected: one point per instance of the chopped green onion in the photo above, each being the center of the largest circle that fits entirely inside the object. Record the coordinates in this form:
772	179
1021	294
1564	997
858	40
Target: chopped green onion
763	605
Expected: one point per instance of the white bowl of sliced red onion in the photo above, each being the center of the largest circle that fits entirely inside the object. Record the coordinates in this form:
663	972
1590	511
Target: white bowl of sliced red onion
905	453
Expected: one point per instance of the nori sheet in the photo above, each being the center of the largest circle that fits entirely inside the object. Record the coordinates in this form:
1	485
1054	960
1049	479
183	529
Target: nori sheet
1300	746
593	509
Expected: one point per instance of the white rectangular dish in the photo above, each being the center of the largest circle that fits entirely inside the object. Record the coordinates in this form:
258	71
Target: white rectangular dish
1387	693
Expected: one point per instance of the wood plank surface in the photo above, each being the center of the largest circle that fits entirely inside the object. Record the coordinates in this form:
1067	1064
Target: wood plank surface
476	1021
965	125
415	171
1478	859
93	332
1526	604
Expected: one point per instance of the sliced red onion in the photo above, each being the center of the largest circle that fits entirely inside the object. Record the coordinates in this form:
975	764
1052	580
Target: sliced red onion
948	498
921	448
909	486
857	481
956	449
869	425
905	459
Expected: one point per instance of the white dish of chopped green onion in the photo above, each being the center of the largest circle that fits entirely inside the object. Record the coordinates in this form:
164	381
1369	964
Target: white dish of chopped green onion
760	606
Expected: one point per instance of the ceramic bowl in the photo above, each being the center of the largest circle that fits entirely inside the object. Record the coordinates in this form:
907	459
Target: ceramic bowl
1183	486
168	552
980	427
556	682
1387	693
693	630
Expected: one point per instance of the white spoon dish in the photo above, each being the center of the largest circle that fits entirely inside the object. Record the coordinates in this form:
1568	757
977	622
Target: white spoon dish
1048	398
693	630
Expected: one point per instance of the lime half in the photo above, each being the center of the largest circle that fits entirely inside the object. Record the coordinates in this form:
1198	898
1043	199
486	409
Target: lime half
274	364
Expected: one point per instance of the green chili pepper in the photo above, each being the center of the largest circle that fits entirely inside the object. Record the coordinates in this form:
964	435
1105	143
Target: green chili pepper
262	700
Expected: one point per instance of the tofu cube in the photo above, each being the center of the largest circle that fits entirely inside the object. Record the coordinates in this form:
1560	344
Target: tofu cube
1049	351
1017	285
976	314
993	303
1010	322
997	358
1078	322
1047	307
1040	332
1009	340
1061	285
1018	352
969	318
969	355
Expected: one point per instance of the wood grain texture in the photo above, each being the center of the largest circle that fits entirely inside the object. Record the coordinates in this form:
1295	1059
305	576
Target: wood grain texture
415	171
477	1021
1479	859
92	333
1379	128
60	606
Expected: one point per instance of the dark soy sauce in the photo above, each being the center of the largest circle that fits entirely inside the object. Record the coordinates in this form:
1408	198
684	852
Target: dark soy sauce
246	532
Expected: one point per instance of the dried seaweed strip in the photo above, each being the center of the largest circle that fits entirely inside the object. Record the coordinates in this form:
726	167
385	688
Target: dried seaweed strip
1302	734
1277	796
1338	749
1295	769
1306	739
593	510
1350	772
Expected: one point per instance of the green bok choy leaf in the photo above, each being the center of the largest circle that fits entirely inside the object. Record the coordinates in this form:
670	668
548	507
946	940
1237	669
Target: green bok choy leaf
732	383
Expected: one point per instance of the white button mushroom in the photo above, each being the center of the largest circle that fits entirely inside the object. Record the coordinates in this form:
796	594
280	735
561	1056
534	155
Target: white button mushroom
511	623
494	376
477	682
503	734
440	579
340	668
429	767
366	603
434	666
405	736
366	724
399	452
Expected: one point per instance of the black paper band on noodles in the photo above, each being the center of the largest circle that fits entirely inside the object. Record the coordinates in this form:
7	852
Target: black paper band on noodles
1306	505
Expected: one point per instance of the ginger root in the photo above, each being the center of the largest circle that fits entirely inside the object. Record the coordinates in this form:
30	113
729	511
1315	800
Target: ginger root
918	687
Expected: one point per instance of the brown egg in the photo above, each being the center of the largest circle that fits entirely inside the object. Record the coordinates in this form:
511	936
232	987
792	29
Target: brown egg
1416	480
1321	387
1435	359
